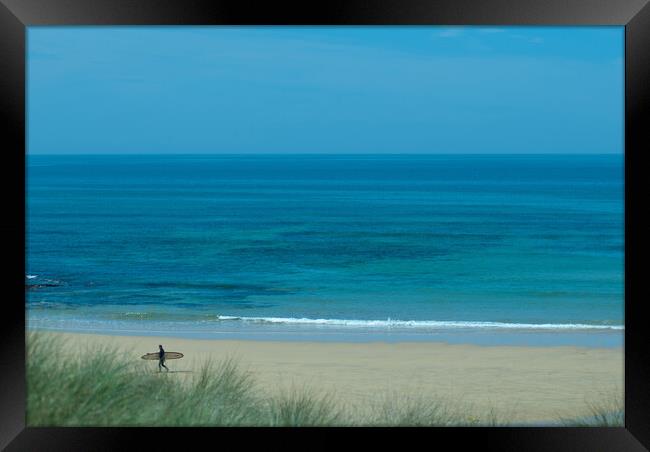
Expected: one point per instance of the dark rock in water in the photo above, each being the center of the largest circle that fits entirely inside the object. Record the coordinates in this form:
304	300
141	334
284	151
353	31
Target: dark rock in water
42	285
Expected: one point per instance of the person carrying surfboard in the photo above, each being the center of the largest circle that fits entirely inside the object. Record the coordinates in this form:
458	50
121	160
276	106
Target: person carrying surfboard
161	359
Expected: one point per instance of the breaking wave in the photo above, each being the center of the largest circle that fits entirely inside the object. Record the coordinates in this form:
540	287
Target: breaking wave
422	324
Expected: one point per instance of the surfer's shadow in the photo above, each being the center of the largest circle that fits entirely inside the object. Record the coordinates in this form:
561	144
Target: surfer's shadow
175	372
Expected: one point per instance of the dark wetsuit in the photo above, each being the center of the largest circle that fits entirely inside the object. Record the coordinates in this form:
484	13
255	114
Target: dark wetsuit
161	362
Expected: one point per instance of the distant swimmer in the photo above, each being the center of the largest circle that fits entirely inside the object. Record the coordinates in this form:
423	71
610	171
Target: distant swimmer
161	359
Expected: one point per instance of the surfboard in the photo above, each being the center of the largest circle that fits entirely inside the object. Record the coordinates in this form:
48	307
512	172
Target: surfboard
168	355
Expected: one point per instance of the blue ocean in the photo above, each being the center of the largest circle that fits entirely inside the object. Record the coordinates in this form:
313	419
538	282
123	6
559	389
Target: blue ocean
478	248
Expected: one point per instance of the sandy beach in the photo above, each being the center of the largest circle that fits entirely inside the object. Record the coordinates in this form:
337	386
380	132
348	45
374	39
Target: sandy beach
521	384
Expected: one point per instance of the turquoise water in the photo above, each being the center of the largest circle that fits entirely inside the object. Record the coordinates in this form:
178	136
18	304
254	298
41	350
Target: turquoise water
392	246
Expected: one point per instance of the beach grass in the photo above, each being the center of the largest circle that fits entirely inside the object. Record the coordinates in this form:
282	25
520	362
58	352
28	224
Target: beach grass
303	407
100	386
608	411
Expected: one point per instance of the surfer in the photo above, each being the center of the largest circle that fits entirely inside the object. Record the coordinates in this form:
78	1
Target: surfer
161	359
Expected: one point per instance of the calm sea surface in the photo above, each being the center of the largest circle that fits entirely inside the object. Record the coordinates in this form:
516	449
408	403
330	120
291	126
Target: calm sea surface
424	247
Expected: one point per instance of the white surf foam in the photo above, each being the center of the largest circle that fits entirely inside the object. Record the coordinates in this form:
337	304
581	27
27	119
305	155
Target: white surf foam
424	324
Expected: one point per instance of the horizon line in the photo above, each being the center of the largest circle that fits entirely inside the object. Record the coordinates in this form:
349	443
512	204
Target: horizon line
257	154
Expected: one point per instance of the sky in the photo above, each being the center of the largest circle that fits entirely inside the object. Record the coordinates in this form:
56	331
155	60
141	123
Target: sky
231	90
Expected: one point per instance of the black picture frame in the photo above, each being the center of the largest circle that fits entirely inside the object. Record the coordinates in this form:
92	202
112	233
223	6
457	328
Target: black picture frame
16	15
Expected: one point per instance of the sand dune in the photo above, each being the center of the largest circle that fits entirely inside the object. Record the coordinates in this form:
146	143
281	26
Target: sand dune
518	383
